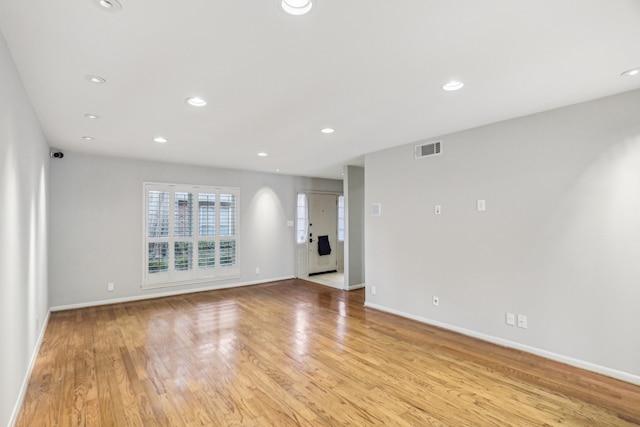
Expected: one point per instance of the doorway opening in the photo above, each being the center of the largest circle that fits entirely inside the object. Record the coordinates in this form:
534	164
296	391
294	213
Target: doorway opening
320	238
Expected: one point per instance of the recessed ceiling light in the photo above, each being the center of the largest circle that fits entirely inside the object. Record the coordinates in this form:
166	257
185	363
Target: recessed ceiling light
88	138
92	116
632	72
262	154
160	139
452	85
277	170
297	7
96	79
108	5
196	101
328	130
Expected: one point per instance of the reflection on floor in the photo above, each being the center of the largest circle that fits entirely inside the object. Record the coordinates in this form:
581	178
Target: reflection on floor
335	280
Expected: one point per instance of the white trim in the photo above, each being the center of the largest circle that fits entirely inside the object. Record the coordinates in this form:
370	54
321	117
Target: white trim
588	366
27	376
165	294
354	287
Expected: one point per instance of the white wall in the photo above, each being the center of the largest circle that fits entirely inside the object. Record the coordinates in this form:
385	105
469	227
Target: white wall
559	241
354	226
24	175
96	212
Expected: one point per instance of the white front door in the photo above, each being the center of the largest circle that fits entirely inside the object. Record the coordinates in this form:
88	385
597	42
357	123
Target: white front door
323	232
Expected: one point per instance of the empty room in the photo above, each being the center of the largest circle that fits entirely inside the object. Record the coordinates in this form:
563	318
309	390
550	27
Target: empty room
319	213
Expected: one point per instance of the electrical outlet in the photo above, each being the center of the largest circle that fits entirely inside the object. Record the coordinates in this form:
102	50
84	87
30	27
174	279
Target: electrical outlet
481	205
373	290
436	301
510	319
522	321
257	271
110	287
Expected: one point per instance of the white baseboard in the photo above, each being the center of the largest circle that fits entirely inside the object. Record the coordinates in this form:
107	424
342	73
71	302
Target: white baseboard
164	294
588	366
27	375
354	287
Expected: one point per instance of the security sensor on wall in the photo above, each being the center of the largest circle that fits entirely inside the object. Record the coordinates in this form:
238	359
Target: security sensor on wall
56	154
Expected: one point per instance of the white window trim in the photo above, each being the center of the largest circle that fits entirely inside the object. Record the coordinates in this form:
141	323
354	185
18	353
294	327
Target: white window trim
196	275
302	224
343	222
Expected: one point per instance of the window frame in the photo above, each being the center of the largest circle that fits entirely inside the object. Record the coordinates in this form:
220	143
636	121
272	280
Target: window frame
302	221
341	218
173	276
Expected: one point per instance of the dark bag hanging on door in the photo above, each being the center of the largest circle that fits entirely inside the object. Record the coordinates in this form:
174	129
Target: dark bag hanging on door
324	248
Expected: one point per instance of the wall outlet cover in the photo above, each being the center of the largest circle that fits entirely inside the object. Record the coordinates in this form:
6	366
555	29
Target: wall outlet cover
522	321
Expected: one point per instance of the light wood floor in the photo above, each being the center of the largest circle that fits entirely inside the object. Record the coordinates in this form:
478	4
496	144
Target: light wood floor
297	353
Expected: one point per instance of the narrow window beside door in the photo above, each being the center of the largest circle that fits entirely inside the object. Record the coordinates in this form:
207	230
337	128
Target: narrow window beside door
301	219
341	218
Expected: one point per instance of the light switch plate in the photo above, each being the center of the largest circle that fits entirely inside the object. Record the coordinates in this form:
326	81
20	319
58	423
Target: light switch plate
510	319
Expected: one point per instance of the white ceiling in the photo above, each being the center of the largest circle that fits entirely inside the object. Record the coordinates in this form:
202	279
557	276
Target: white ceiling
371	69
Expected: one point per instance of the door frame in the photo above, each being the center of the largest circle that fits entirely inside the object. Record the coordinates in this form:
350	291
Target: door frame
302	260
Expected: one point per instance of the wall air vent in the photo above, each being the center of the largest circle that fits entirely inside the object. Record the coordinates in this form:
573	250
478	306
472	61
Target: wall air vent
428	149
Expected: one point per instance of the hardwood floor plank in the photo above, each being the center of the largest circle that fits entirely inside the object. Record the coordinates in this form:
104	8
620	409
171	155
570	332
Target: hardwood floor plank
293	353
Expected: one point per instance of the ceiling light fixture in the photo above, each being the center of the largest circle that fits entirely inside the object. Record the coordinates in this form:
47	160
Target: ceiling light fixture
452	85
160	139
108	5
297	7
196	101
262	154
632	72
96	79
91	116
88	138
328	130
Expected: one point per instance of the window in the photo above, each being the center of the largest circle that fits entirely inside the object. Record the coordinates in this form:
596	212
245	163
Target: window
191	234
301	219
341	218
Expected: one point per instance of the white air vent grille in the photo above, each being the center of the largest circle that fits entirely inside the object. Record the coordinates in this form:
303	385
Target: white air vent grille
428	149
